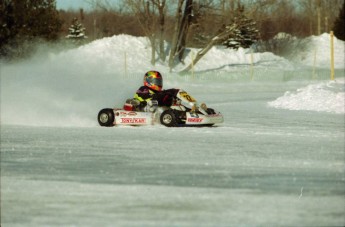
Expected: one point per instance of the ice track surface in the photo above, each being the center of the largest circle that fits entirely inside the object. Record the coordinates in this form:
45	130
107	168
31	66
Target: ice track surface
263	167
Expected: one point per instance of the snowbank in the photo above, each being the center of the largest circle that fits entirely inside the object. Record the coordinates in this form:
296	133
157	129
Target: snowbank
315	51
125	53
321	97
224	59
115	54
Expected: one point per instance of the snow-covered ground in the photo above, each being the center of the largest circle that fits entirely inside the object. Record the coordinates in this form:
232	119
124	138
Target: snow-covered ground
277	160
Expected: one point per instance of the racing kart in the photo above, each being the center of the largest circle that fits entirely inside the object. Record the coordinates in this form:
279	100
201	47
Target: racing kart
184	111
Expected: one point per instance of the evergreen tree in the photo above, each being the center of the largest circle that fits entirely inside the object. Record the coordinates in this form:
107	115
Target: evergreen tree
76	31
22	21
339	24
245	34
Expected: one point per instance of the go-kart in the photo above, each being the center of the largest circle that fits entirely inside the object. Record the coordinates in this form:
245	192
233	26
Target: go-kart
184	111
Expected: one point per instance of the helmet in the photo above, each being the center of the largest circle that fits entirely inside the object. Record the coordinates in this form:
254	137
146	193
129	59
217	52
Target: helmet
153	80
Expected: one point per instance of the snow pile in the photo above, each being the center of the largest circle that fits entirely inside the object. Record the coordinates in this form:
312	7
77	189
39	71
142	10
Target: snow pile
133	54
315	51
221	58
125	53
321	97
115	54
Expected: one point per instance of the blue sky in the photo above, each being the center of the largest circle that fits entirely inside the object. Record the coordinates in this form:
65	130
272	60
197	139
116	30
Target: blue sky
72	4
77	4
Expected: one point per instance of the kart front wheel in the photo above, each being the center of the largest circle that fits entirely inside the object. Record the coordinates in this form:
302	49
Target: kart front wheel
168	119
106	117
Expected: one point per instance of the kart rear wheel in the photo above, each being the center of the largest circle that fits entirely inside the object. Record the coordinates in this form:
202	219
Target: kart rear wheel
106	117
168	119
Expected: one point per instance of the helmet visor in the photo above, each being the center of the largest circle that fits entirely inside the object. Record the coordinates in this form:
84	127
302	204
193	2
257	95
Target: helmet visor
157	81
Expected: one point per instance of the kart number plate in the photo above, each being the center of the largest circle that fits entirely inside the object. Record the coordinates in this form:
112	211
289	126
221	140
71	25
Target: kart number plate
187	96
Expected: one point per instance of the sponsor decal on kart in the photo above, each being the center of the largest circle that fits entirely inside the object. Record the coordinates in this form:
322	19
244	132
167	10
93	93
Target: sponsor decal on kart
133	120
195	120
128	113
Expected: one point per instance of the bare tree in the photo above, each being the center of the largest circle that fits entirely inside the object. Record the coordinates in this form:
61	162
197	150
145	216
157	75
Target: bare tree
161	13
183	21
320	14
105	5
153	26
108	18
191	19
174	44
230	30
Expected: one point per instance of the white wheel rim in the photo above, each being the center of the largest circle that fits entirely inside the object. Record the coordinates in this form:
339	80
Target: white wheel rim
167	119
104	118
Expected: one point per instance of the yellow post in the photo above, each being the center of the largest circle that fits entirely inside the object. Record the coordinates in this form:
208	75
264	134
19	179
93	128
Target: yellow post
332	56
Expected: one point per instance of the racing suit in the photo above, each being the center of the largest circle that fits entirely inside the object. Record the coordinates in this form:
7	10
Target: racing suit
164	98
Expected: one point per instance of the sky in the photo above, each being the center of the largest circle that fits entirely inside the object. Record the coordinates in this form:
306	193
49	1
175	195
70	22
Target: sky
75	4
71	4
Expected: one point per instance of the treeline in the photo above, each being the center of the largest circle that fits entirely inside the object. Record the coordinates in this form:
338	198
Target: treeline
299	18
200	20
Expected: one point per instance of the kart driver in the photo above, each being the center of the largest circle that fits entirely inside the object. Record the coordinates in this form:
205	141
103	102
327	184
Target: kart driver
152	91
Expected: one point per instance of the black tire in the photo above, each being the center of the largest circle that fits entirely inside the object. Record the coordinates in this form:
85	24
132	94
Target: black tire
168	119
106	117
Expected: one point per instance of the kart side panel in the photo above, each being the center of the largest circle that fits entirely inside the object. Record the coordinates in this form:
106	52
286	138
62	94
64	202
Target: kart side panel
123	117
200	119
